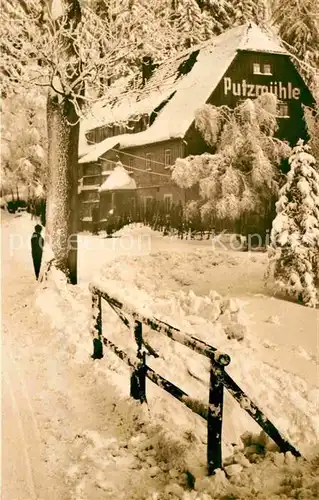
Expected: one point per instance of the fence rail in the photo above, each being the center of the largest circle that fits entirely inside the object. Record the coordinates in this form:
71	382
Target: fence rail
177	218
219	378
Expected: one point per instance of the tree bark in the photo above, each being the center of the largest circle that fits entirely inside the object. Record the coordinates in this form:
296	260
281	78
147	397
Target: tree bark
63	140
62	207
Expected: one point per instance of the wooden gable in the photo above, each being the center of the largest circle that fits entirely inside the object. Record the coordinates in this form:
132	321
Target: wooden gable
252	73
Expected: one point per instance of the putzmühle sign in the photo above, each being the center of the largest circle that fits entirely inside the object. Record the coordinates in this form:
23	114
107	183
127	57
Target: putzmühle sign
245	89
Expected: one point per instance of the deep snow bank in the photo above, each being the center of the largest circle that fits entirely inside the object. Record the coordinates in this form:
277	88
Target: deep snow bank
169	441
287	399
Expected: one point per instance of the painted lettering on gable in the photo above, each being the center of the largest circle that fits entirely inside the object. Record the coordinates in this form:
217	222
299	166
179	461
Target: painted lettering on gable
296	93
251	90
244	89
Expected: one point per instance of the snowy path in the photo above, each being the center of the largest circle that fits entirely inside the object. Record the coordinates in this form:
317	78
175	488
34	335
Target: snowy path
61	436
16	484
27	473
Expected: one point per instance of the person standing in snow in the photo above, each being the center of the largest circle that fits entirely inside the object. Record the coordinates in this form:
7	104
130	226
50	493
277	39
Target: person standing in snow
37	249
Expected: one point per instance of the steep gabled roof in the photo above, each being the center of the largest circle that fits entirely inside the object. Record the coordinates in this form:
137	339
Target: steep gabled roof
256	39
182	85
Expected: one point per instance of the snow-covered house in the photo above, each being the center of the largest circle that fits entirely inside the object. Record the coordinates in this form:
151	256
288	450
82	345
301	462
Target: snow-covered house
148	129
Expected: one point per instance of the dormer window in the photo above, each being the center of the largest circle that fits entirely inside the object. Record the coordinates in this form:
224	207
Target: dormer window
256	69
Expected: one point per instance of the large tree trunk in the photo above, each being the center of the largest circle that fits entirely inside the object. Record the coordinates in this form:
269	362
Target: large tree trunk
63	137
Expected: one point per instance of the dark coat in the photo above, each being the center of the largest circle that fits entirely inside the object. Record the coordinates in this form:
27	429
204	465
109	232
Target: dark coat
37	244
37	250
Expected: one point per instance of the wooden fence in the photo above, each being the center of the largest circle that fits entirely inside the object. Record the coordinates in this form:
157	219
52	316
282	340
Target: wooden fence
219	378
176	220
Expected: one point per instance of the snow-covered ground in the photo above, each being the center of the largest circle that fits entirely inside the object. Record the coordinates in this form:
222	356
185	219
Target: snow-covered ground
99	443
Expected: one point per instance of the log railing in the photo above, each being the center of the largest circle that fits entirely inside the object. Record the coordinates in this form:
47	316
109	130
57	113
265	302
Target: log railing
219	378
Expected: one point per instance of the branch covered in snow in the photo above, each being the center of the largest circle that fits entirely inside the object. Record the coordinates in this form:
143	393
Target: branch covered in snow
24	149
243	173
108	41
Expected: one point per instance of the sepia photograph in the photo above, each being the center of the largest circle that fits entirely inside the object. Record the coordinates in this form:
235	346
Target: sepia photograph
159	249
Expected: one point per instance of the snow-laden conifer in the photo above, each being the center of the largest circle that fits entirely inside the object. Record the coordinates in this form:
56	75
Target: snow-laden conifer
294	251
243	173
23	134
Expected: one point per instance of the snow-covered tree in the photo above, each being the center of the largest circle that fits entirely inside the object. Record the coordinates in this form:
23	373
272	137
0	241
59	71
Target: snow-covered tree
242	176
59	45
312	121
74	48
133	23
190	23
297	22
294	251
24	143
250	10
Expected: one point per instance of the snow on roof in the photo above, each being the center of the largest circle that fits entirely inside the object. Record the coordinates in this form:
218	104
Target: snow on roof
89	187
185	93
118	179
94	151
259	40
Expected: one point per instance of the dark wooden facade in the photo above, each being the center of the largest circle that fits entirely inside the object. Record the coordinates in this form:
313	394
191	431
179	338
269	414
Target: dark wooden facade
145	163
283	79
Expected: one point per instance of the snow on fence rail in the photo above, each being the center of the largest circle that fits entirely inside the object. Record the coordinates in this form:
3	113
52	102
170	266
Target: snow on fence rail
219	378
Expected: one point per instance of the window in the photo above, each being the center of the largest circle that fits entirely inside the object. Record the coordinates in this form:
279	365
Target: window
282	110
148	163
148	200
267	69
107	165
168	198
264	70
131	162
167	157
256	69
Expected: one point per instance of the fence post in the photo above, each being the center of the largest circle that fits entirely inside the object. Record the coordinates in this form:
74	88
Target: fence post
138	377
97	326
215	418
